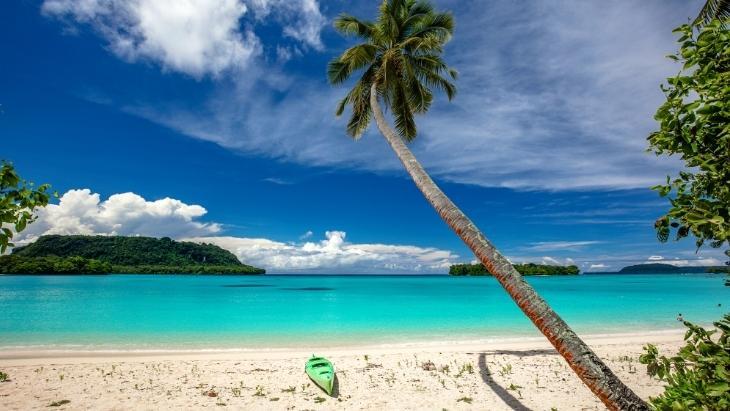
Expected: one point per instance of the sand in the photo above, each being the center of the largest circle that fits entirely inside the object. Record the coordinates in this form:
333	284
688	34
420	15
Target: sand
497	375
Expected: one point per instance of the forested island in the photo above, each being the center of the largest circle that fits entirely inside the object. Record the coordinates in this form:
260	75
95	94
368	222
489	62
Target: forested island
659	268
78	254
524	269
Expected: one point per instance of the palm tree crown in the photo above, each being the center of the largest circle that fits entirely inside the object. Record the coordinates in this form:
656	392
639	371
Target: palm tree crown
401	56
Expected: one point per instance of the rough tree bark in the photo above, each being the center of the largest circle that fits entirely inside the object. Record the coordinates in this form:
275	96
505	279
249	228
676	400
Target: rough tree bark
590	369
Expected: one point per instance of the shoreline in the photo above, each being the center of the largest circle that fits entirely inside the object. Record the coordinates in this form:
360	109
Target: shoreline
516	374
70	355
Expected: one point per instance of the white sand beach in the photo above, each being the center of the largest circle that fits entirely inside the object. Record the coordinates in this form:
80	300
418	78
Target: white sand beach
497	375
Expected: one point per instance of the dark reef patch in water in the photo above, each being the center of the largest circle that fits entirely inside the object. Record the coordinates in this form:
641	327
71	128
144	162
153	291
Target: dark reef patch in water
309	289
246	285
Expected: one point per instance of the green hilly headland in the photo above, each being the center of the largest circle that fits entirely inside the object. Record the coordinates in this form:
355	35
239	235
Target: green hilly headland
660	268
59	254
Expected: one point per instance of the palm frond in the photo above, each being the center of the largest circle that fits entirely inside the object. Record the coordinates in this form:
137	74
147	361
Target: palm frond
713	9
420	8
439	26
403	114
361	112
387	22
351	60
418	12
359	56
348	99
359	98
430	63
419	97
337	71
398	9
422	45
357	91
352	26
433	80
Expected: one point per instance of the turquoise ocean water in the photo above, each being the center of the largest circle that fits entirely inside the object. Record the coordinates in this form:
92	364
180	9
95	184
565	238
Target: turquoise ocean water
224	312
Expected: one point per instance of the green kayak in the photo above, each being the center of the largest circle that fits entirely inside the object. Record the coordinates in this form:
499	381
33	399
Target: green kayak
321	371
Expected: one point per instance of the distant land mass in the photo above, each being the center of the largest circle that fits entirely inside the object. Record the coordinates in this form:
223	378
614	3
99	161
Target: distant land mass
659	268
524	269
80	254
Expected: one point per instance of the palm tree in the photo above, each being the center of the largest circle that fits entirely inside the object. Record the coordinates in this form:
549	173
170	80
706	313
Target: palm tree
713	9
400	61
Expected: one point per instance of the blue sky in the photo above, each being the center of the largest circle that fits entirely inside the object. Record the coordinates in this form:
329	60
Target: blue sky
212	120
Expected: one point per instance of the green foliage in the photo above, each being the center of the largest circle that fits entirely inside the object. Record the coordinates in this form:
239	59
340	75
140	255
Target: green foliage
401	55
13	264
120	250
18	200
524	269
698	377
695	124
56	254
4	376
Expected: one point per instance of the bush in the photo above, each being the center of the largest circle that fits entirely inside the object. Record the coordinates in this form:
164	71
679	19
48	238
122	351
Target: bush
693	125
698	377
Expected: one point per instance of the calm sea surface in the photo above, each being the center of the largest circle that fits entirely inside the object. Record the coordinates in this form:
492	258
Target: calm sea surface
194	312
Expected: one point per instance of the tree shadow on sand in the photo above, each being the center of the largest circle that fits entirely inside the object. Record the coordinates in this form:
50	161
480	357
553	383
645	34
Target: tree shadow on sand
502	393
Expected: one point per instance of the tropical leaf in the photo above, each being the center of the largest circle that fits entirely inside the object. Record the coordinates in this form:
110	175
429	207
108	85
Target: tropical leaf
403	113
337	71
351	26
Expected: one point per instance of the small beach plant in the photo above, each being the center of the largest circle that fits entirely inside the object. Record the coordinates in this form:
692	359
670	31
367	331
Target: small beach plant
518	388
698	376
59	403
399	66
4	376
260	391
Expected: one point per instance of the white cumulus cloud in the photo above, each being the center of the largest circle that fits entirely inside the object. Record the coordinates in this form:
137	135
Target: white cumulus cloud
655	258
334	254
83	212
197	37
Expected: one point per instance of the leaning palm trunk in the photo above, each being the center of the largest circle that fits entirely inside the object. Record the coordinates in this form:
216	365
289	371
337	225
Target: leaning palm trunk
591	370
